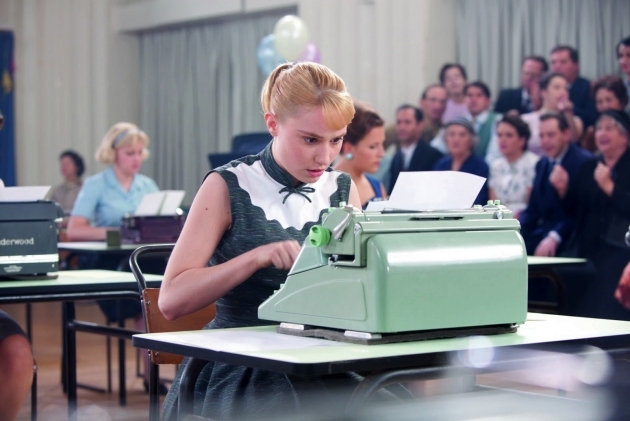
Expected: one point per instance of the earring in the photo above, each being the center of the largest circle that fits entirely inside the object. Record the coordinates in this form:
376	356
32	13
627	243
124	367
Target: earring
349	156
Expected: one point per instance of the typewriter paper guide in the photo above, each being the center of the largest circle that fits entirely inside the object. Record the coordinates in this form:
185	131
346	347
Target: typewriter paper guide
432	190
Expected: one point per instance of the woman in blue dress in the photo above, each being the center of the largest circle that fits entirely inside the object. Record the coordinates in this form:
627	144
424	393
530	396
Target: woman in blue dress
460	141
245	228
362	152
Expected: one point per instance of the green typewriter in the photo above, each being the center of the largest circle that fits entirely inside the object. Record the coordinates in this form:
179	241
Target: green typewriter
388	276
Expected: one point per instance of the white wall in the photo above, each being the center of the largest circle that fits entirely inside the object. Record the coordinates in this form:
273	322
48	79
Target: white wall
77	63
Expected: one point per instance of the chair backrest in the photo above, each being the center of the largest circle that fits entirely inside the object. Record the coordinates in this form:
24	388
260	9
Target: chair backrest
219	159
153	318
250	143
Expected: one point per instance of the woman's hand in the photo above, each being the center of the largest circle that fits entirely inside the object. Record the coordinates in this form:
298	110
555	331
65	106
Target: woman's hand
280	255
622	294
603	178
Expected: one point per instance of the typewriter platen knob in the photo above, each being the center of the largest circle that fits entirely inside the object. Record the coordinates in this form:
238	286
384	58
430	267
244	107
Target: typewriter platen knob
319	236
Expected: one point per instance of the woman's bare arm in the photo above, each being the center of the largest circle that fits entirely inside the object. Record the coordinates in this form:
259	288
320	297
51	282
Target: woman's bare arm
79	229
189	284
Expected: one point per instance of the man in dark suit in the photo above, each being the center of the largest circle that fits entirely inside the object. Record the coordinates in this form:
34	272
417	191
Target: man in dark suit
545	227
526	98
414	154
566	61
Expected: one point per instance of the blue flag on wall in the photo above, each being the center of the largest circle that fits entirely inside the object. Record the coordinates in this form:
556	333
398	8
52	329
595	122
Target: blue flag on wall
7	88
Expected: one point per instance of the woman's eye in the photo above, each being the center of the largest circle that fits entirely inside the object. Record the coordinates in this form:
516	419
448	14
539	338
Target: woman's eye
337	140
310	140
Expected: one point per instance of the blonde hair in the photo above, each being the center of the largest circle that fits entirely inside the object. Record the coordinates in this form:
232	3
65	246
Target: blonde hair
120	135
292	87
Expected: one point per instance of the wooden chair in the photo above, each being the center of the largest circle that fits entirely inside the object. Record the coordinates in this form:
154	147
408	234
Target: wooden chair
156	322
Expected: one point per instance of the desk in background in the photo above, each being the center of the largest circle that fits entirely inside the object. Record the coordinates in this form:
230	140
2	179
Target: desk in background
71	286
547	268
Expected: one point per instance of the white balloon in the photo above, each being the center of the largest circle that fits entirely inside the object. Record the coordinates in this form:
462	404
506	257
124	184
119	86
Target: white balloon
291	37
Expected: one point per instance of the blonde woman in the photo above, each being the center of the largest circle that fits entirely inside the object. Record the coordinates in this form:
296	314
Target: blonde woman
245	228
107	196
102	202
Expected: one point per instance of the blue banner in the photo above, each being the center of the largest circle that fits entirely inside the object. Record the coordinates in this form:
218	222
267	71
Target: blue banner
7	88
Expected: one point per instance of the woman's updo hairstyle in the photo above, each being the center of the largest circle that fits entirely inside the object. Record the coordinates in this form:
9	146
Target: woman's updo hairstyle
292	87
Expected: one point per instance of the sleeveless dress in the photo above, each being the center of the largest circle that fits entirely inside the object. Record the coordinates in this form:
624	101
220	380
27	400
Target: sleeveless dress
376	186
266	207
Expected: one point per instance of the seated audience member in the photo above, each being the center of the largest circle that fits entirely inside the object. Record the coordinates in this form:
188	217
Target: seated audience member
545	227
460	139
610	94
566	61
414	154
555	97
600	195
484	121
453	78
105	198
623	58
512	174
72	168
525	98
432	104
362	152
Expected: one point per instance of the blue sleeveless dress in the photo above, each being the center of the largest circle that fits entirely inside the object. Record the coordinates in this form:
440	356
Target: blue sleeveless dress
376	186
266	207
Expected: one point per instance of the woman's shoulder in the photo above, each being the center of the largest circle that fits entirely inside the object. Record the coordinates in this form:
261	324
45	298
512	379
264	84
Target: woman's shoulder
95	179
529	158
443	163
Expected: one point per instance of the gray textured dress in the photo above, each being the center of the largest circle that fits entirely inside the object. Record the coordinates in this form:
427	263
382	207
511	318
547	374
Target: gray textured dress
266	207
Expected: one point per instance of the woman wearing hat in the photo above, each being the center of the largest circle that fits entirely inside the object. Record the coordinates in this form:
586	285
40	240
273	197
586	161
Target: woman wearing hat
460	139
601	199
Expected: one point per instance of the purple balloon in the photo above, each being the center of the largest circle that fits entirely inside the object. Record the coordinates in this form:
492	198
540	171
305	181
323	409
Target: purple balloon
311	53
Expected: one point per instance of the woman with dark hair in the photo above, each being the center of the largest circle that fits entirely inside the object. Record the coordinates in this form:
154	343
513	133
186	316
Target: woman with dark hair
610	94
362	152
453	77
72	168
623	58
512	174
554	92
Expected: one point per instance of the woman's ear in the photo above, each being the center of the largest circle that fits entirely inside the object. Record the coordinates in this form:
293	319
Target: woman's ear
272	123
346	147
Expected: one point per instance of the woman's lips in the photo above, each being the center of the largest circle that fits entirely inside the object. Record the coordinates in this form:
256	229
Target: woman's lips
315	173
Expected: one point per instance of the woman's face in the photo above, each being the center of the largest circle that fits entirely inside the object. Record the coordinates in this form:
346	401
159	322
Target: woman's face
367	154
510	144
557	91
304	145
605	99
454	81
608	137
623	58
129	158
458	140
67	168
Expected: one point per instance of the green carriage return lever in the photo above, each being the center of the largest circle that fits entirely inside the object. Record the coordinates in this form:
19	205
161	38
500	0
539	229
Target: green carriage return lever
319	236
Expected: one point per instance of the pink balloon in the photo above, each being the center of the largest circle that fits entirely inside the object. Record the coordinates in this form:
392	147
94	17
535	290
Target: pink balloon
311	53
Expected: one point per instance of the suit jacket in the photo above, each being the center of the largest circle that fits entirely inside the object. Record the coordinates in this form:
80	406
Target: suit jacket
510	99
583	103
601	220
544	212
423	159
